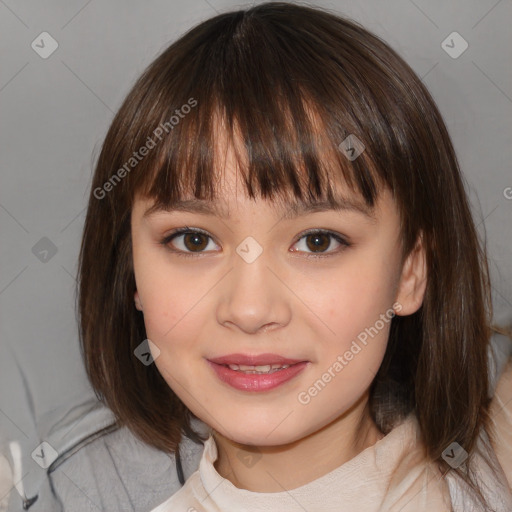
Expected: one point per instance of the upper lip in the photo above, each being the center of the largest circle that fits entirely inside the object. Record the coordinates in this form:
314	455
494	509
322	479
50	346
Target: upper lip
254	360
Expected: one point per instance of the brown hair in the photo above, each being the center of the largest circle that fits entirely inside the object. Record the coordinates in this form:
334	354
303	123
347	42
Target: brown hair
263	71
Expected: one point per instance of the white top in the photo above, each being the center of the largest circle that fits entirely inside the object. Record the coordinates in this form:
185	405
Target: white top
390	476
362	483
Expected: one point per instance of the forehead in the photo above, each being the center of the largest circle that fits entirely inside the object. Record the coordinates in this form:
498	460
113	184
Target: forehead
231	192
229	200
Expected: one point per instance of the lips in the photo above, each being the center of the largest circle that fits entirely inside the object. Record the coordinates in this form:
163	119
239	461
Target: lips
257	382
254	360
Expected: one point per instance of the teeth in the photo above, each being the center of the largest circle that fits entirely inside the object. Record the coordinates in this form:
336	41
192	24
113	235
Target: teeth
258	369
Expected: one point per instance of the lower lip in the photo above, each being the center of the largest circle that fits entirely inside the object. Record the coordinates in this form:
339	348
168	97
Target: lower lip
256	381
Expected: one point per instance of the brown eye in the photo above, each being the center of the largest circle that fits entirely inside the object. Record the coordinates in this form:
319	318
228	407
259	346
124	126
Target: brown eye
318	242
187	241
195	241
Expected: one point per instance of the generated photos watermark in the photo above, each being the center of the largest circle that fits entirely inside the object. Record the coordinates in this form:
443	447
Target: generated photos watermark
304	397
137	156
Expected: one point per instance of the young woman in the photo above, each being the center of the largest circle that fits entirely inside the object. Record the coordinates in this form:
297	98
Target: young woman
278	243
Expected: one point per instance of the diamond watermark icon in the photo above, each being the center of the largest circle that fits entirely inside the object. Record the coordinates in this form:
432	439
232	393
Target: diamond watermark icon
44	454
44	45
454	455
44	250
454	45
147	352
249	459
352	147
249	249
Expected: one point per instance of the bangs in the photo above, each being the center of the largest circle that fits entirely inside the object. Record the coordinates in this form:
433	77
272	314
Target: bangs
244	86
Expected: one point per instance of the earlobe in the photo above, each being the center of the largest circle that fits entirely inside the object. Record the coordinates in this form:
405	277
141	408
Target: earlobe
413	280
138	303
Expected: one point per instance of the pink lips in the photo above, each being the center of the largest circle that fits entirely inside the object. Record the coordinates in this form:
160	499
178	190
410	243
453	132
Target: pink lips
253	381
254	360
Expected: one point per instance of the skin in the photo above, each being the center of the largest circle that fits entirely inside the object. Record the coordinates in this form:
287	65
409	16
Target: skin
287	302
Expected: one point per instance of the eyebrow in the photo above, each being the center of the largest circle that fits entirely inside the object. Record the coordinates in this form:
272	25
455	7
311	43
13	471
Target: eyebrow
294	210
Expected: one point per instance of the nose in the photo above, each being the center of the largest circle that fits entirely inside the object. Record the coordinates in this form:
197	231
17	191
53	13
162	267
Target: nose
254	297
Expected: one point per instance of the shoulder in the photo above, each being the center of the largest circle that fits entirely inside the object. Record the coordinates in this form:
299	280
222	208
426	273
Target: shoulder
192	496
410	481
117	471
109	468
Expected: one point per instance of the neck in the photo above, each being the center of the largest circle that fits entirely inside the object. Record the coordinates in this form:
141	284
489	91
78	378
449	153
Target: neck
286	467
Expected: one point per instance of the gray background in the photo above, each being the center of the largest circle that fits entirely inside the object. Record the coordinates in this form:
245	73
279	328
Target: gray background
56	111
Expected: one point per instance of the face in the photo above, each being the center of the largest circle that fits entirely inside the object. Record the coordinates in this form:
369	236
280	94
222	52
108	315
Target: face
258	281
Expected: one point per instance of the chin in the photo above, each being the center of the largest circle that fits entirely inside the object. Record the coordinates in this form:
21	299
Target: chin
258	434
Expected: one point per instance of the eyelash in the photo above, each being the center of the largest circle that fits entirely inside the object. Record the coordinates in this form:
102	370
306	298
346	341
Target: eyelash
187	230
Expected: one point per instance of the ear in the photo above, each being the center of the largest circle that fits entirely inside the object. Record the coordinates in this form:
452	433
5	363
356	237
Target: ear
413	280
138	303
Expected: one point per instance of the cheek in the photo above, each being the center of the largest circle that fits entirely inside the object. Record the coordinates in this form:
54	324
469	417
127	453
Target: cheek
167	314
167	295
352	296
354	312
350	352
175	307
171	323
